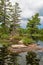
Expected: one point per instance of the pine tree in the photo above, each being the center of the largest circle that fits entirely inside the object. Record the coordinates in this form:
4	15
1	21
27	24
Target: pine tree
5	10
15	18
32	25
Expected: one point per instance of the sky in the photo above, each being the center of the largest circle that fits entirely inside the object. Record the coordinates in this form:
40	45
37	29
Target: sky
29	8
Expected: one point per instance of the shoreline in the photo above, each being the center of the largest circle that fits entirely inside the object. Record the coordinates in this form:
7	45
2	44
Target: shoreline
23	48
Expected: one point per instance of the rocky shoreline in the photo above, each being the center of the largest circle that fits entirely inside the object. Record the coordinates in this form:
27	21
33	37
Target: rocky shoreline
22	48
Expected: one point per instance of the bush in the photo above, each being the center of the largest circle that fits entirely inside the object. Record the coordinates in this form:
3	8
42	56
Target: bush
4	36
27	41
17	37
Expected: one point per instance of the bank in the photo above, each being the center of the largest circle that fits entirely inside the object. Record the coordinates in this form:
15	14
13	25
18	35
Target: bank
23	48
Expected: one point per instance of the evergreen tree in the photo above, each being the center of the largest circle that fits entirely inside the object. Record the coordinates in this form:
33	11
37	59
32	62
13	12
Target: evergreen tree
32	25
15	18
5	10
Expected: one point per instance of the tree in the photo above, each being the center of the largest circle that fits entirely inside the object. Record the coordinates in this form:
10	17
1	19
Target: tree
5	10
22	32
15	18
41	31
32	25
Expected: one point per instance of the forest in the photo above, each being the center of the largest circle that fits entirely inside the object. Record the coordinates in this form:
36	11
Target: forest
10	30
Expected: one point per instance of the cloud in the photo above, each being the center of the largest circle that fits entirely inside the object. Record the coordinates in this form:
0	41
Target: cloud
41	11
29	8
41	19
23	23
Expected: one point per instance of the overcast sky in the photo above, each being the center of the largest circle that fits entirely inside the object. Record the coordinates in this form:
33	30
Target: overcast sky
29	8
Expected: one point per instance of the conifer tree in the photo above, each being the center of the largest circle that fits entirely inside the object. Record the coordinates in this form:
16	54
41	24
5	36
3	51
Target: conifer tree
15	18
32	25
5	10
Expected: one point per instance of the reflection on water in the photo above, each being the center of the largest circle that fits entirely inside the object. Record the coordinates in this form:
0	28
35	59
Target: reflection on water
32	59
6	58
40	43
26	58
3	54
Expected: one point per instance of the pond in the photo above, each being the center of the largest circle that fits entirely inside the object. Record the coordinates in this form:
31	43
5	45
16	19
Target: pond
24	58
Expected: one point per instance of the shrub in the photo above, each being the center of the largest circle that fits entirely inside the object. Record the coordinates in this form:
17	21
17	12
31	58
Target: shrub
17	37
27	41
4	36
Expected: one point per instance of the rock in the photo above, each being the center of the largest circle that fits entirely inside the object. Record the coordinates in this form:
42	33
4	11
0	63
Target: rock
18	46
21	42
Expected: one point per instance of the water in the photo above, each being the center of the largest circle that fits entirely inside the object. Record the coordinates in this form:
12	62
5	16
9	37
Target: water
24	58
40	43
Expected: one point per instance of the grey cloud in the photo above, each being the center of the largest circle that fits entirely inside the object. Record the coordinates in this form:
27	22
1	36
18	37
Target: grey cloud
41	11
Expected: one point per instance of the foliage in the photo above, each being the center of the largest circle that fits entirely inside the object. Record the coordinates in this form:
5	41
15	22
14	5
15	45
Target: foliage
15	18
5	13
17	37
22	31
32	25
27	41
41	31
4	36
4	42
9	24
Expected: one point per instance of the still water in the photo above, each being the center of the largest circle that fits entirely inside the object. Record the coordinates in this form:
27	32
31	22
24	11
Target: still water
24	58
